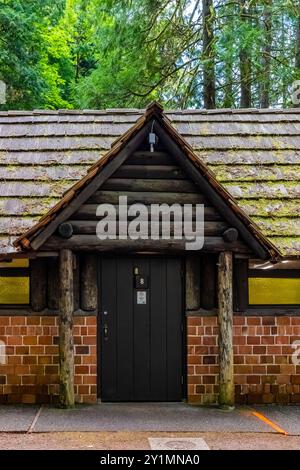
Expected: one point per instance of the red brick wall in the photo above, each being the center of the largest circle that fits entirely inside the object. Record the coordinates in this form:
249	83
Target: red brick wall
264	371
85	341
30	374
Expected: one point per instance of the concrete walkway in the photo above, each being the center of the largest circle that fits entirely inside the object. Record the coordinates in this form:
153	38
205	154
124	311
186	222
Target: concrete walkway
171	417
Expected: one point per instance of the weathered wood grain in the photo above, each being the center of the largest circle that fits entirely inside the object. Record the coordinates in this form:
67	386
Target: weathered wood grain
150	172
131	115
54	157
76	280
192	282
225	173
249	157
92	243
31	189
65	230
90	188
38	284
105	128
66	340
279	226
88	227
56	143
26	207
240	285
144	157
208	282
16	225
62	129
268	190
238	128
230	234
271	208
88	212
288	245
225	322
112	197
89	282
52	284
245	142
168	185
43	173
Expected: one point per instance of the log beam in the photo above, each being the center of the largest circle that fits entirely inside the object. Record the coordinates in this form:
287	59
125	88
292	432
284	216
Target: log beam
225	321
66	344
93	243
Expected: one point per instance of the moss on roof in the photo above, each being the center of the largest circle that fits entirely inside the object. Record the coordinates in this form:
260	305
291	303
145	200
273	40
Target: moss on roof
255	154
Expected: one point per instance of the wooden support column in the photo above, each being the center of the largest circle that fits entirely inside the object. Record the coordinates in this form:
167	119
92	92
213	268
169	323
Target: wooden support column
76	281
208	282
38	284
66	345
52	284
192	282
89	282
225	320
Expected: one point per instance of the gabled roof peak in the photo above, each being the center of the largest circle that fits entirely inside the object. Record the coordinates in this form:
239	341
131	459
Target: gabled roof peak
121	148
154	108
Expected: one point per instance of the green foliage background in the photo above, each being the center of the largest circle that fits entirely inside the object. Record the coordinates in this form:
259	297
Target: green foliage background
125	53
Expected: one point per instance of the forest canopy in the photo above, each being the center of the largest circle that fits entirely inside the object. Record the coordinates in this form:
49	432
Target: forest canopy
125	53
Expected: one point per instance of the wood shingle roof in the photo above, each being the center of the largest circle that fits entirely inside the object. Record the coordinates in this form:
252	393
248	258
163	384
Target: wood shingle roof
255	154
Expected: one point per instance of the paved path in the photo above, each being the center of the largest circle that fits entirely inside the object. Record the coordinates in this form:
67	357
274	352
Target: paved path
140	440
147	417
17	418
288	417
151	417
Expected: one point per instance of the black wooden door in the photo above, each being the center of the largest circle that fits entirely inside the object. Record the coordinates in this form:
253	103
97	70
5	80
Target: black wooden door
140	341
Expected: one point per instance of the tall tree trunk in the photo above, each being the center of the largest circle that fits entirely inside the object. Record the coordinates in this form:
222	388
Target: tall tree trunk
228	94
296	101
297	58
208	55
245	61
282	39
266	55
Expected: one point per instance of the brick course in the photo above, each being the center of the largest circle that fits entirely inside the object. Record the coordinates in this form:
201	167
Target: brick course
31	371
264	371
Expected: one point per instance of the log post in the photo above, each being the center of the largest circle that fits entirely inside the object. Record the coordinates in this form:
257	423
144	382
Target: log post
89	282
208	281
76	281
38	284
225	321
52	284
66	346
192	282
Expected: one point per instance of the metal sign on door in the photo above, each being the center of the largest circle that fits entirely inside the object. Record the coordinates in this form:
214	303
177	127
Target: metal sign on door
141	297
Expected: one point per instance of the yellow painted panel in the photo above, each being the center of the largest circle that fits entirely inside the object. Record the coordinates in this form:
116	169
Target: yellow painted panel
14	290
15	263
274	291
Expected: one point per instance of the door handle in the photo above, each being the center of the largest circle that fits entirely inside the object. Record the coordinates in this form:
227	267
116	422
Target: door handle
105	332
